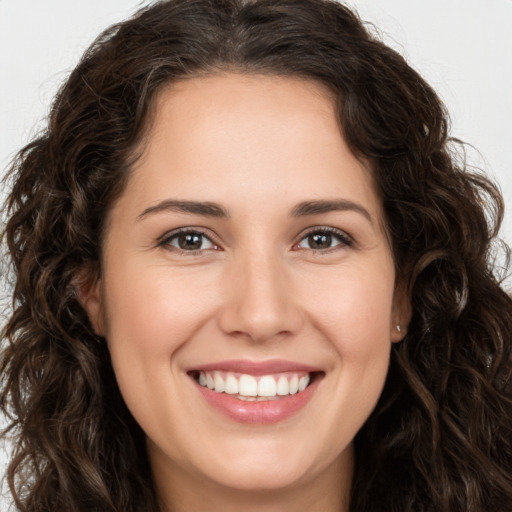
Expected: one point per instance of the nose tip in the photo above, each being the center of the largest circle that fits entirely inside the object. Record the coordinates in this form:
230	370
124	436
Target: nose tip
259	304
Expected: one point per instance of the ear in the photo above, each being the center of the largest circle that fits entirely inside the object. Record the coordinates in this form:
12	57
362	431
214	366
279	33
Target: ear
88	290
401	316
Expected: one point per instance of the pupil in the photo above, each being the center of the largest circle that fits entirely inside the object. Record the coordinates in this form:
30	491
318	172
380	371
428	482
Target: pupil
320	241
190	241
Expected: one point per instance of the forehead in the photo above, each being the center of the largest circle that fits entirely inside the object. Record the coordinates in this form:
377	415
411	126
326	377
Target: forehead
252	103
260	136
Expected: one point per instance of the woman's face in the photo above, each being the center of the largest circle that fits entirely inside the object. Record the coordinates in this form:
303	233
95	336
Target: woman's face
248	252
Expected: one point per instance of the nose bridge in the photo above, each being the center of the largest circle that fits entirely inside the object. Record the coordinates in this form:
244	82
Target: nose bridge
259	300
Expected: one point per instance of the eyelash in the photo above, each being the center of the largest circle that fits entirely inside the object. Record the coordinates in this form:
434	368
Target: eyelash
343	238
166	240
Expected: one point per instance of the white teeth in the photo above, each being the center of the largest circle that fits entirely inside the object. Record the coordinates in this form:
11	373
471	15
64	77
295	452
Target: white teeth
231	385
303	383
267	386
282	386
219	382
257	398
248	387
293	385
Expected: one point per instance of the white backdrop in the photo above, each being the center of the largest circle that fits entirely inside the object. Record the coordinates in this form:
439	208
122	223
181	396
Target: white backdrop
462	47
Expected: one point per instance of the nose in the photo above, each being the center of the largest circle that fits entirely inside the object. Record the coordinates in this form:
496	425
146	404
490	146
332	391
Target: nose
259	302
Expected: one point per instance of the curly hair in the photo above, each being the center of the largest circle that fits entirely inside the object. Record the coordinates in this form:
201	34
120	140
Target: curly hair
440	437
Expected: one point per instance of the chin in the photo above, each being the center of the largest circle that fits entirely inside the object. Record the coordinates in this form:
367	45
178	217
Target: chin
267	467
250	478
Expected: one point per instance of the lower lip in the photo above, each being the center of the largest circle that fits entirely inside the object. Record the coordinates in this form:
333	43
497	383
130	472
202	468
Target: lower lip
262	413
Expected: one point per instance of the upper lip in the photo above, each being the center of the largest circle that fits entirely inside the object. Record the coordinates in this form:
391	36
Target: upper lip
255	367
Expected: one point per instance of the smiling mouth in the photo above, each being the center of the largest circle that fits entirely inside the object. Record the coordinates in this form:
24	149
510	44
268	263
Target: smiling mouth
255	388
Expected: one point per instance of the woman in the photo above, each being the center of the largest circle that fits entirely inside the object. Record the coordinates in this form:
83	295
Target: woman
251	274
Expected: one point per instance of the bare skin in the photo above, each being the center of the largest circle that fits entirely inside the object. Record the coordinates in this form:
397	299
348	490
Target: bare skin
287	259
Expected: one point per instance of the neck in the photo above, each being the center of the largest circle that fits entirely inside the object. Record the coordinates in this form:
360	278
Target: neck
325	491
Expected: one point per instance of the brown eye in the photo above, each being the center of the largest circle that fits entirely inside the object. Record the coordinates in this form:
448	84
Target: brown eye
320	241
324	239
188	241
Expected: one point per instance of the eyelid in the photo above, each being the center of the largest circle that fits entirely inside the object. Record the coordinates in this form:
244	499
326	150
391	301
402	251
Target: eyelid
345	239
163	241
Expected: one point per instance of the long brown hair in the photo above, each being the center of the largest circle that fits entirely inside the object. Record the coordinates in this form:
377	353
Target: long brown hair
440	437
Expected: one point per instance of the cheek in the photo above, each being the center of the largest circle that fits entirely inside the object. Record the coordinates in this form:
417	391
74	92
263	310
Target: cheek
354	312
155	312
149	318
358	327
352	305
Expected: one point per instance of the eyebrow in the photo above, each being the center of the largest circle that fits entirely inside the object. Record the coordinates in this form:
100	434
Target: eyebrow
324	206
210	209
205	208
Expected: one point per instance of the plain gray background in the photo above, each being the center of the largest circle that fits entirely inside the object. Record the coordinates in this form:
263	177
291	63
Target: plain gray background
462	47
